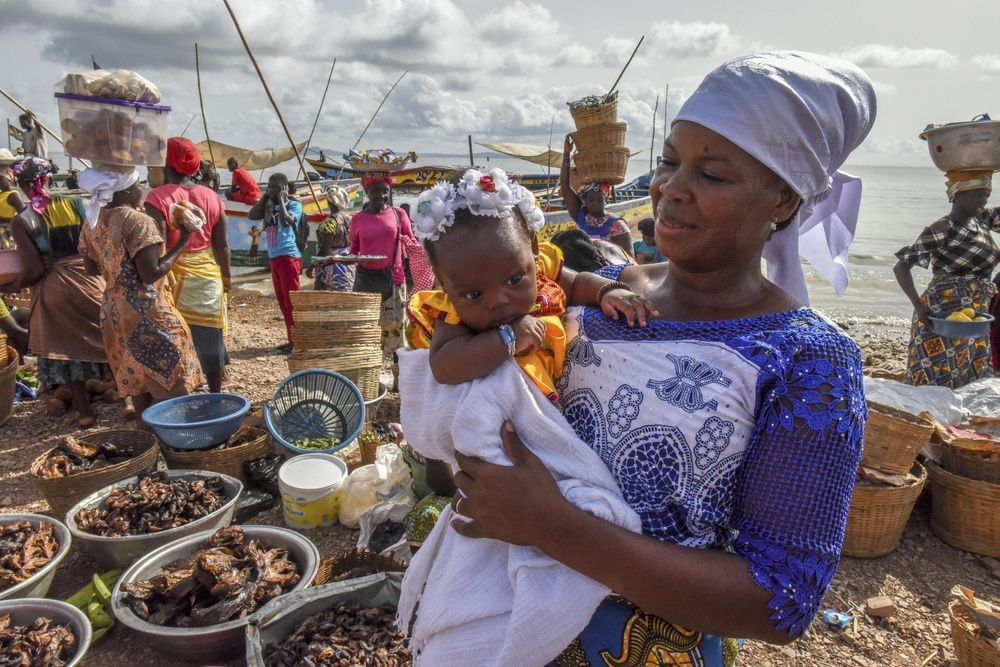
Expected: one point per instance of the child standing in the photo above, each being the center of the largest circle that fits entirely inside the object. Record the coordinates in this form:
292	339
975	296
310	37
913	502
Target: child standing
254	240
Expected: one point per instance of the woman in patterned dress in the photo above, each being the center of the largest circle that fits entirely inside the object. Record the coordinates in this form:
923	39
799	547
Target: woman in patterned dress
734	421
962	255
148	344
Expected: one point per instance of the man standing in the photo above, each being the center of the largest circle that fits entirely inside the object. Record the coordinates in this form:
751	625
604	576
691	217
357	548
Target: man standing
244	188
33	136
280	216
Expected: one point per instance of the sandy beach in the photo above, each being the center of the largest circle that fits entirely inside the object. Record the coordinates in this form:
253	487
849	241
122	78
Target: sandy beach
918	575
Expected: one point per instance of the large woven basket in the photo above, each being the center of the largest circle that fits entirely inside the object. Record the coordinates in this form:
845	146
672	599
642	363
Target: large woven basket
600	137
359	562
228	461
8	376
983	466
64	492
324	300
309	336
878	516
971	648
893	439
603	166
601	114
365	379
964	512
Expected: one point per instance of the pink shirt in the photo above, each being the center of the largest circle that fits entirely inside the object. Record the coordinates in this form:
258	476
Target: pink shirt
204	198
373	234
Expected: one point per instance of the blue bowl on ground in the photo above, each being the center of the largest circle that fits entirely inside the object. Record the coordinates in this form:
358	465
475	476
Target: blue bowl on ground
315	403
198	421
955	329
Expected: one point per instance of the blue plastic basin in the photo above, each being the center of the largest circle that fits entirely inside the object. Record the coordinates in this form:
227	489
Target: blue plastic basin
197	421
955	329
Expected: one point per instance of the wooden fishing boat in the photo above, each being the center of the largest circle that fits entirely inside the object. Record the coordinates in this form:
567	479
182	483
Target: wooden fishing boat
630	210
409	177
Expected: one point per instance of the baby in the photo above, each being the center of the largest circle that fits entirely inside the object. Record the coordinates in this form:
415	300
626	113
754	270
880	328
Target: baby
485	349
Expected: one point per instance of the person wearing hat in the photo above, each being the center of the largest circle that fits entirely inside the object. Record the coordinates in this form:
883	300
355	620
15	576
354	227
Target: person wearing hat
333	234
733	422
10	199
200	277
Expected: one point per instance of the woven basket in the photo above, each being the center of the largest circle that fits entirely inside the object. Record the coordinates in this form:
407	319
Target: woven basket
893	439
603	166
878	515
964	512
335	317
228	461
308	336
327	300
365	561
983	466
8	376
600	137
971	649
64	492
20	300
602	114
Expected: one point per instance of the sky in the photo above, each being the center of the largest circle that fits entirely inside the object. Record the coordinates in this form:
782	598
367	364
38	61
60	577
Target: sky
497	71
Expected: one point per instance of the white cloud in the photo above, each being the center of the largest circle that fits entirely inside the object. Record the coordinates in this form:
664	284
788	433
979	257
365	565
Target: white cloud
989	63
884	88
613	52
899	57
692	40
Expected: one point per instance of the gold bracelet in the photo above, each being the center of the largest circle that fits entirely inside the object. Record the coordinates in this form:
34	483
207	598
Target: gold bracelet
607	287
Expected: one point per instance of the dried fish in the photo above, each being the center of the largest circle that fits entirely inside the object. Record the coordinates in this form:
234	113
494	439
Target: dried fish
152	505
227	578
24	550
42	644
343	635
73	456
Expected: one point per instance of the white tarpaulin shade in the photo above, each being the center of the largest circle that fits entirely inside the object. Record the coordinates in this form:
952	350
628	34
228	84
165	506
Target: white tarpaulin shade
540	155
248	159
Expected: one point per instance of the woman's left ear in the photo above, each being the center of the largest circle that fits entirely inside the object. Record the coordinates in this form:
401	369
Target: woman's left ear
788	204
534	245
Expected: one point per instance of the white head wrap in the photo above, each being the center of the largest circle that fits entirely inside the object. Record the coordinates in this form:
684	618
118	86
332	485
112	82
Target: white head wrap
102	184
801	115
337	196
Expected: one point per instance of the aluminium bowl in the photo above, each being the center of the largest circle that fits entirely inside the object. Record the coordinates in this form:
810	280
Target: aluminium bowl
120	552
37	585
954	329
213	642
25	612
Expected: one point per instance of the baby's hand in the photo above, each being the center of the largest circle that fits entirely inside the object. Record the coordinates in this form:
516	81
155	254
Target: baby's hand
635	308
529	332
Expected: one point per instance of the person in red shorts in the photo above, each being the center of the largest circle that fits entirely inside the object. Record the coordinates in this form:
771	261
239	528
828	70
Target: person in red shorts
244	188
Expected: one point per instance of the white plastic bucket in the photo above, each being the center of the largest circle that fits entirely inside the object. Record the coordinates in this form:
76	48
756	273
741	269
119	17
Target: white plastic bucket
311	487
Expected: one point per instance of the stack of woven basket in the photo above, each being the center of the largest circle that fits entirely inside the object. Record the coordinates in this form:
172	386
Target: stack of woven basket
339	331
889	482
965	489
601	154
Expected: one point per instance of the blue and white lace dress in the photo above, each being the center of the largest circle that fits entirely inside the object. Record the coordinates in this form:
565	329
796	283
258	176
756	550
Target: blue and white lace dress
740	435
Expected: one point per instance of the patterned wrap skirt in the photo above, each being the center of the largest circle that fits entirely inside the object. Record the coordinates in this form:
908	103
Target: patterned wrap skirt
950	362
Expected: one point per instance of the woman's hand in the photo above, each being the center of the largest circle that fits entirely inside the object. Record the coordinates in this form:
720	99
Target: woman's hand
923	313
507	503
529	333
567	148
631	305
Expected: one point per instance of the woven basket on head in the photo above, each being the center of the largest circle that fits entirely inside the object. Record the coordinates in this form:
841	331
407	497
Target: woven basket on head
600	137
603	166
228	461
964	512
971	648
893	439
357	563
64	492
878	516
8	376
602	114
971	464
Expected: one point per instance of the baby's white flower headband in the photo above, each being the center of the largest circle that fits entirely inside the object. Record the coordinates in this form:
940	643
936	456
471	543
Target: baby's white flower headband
483	192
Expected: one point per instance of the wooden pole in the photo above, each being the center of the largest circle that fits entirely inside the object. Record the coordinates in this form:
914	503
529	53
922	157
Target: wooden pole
193	116
8	135
267	90
201	103
376	110
40	123
319	111
548	171
652	141
472	160
615	85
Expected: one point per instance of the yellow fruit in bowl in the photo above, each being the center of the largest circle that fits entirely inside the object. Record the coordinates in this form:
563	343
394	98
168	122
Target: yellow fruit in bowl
958	316
981	318
968	312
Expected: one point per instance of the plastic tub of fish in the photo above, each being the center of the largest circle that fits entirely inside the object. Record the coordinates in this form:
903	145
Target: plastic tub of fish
37	584
25	613
279	621
209	643
122	551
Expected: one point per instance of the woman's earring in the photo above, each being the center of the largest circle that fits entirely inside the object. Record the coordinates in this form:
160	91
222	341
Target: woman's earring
774	224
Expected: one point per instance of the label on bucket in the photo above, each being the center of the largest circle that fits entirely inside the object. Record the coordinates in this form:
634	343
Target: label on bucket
301	513
311	488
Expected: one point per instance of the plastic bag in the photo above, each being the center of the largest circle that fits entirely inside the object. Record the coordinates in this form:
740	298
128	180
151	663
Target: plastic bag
263	472
386	481
119	85
941	402
251	503
981	398
186	215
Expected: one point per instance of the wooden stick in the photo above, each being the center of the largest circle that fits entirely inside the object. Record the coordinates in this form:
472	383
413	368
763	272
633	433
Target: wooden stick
267	90
472	160
40	123
615	85
319	111
193	116
201	103
652	141
377	110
